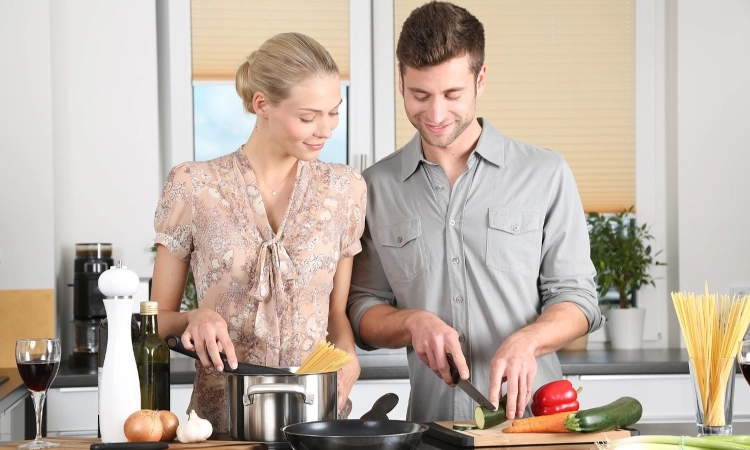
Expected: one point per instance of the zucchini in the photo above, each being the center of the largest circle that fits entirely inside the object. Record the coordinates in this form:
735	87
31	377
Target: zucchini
464	426
486	418
620	413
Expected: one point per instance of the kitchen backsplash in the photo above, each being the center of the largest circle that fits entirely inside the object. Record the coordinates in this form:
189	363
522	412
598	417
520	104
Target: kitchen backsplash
24	314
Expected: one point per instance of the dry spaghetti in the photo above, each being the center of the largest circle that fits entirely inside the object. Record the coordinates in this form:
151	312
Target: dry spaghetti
324	358
712	326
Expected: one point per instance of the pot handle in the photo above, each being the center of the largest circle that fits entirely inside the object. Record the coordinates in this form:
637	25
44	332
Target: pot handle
277	388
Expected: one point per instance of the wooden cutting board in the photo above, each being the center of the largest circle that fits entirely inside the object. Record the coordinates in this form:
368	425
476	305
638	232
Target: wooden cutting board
85	444
494	437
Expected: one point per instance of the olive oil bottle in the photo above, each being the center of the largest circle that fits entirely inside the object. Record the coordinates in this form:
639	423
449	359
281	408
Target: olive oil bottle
152	360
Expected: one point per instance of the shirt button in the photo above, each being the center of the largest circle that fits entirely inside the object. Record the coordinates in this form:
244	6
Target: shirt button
452	222
455	260
461	338
399	239
459	299
516	227
440	187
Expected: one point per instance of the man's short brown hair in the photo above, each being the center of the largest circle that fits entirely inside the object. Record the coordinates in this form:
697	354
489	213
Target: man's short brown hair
437	32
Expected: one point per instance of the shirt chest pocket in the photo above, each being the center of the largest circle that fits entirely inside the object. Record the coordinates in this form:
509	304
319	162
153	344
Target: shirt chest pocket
402	250
513	239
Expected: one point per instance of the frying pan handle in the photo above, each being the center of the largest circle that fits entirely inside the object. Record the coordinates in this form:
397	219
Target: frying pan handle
174	342
277	388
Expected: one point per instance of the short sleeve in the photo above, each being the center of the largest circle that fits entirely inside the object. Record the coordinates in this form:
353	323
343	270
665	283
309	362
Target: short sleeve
174	213
350	244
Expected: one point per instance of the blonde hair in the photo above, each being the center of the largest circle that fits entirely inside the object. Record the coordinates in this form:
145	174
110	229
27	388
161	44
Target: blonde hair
279	64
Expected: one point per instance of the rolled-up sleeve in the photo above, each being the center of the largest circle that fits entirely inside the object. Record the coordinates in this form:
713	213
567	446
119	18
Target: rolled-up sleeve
369	286
567	273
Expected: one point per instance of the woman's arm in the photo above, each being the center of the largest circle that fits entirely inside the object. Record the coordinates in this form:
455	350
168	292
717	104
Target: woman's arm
167	287
340	330
202	329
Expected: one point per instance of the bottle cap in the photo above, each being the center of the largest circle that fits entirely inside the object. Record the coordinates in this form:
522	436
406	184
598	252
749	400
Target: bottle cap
118	281
149	308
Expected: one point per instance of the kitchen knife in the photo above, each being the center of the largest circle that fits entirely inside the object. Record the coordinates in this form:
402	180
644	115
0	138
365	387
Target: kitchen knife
467	387
174	343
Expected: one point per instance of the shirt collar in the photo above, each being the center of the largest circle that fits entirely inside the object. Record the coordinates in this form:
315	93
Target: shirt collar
490	146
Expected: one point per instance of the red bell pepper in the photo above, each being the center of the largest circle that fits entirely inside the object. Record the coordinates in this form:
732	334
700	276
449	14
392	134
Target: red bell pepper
555	397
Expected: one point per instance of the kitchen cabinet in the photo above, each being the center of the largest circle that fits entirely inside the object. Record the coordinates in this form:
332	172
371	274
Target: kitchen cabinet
12	422
665	398
365	392
74	411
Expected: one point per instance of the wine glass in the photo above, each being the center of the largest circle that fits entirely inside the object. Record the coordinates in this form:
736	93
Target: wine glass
38	361
743	358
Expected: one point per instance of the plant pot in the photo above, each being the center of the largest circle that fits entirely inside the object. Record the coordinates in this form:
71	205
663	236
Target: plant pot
626	328
577	345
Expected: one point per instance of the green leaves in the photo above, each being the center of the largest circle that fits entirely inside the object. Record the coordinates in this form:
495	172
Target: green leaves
620	253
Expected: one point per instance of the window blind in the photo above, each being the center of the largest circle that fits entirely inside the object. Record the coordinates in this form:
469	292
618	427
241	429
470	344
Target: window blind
560	75
225	32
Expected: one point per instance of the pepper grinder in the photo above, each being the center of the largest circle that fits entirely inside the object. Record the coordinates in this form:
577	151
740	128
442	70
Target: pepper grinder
119	389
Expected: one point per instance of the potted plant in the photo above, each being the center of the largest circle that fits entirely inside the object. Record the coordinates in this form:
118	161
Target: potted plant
622	256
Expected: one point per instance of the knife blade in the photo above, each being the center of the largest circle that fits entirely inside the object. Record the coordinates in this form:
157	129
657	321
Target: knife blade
467	387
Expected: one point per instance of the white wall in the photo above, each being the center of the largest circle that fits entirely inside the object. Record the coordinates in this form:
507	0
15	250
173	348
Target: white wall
26	171
713	143
106	134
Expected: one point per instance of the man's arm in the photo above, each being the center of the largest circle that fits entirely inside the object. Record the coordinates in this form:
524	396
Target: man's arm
378	322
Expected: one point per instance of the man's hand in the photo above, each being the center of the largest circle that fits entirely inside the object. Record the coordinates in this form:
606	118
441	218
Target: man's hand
207	334
514	363
432	339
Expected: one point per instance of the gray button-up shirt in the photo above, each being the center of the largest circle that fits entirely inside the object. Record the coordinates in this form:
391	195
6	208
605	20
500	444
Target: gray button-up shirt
488	256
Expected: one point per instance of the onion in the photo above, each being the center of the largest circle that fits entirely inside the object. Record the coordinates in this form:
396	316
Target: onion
149	425
169	423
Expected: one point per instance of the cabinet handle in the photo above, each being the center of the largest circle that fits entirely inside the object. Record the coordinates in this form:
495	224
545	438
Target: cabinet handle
78	389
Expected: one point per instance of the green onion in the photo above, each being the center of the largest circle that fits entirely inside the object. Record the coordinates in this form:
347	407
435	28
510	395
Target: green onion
664	442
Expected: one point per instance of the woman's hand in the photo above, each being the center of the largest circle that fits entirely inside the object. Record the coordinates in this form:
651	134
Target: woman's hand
207	334
345	379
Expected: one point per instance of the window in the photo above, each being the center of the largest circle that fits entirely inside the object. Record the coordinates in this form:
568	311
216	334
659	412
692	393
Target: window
224	32
561	75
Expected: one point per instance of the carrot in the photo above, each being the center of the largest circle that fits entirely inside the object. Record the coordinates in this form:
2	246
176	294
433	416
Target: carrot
553	423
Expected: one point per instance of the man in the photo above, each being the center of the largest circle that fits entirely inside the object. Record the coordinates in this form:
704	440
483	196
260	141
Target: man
476	244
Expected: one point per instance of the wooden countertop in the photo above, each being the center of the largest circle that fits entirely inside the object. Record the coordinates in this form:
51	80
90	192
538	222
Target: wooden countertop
85	444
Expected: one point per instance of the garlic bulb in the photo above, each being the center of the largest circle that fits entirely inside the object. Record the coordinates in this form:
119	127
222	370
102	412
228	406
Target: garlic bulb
194	429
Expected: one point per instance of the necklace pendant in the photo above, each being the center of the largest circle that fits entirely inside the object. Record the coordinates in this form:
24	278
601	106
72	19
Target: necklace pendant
273	193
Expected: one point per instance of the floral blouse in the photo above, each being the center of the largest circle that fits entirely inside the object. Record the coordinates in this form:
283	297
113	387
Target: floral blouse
272	289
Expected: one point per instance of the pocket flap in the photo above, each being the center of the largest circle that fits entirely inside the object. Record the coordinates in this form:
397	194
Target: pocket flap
514	221
399	234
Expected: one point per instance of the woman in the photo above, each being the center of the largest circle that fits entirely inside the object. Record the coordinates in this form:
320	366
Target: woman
269	231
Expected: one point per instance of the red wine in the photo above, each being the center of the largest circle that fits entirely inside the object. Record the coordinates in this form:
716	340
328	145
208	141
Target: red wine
38	375
745	368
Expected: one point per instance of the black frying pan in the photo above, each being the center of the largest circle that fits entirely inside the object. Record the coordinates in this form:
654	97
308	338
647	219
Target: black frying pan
361	434
174	343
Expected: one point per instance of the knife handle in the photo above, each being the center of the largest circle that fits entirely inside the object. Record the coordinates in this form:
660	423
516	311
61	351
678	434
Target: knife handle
454	371
130	445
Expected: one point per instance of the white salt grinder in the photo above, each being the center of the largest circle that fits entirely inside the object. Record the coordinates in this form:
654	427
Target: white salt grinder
119	389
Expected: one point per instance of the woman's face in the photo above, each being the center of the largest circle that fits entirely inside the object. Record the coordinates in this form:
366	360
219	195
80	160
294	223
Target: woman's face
302	123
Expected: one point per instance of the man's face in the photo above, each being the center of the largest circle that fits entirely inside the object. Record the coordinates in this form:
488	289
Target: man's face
441	101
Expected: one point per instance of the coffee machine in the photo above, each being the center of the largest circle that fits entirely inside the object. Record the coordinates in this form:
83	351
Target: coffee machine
92	259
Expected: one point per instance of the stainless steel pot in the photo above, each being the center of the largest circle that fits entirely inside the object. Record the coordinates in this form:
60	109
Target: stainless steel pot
261	405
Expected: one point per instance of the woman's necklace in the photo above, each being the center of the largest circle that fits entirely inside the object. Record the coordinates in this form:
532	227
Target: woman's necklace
273	191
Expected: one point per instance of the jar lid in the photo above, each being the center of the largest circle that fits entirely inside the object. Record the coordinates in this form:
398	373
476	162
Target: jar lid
118	281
